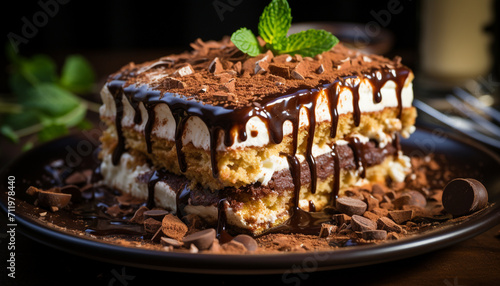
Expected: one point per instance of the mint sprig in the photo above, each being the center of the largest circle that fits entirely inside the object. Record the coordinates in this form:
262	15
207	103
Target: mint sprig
273	27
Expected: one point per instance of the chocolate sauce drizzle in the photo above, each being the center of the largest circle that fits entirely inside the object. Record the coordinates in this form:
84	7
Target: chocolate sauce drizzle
359	155
274	111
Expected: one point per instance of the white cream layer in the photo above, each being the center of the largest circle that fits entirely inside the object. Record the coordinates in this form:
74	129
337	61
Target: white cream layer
196	132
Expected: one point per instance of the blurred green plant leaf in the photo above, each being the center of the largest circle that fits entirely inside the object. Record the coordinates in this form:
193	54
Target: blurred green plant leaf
50	99
77	75
44	103
52	131
8	132
38	69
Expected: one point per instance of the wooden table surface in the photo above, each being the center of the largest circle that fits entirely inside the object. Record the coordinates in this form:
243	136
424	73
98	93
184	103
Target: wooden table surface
472	262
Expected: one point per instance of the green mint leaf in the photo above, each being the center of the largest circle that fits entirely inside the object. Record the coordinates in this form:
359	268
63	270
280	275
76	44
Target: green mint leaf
73	117
275	21
84	125
50	99
309	43
57	126
38	69
18	84
8	132
21	120
51	132
77	74
246	41
29	145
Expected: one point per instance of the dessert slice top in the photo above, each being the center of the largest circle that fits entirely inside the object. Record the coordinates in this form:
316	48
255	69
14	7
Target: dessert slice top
223	87
217	73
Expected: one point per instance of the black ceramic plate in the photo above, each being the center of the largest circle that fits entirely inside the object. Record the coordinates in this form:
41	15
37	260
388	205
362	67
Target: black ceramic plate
480	162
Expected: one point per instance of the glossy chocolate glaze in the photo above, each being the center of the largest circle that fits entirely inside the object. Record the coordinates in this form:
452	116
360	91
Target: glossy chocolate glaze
273	111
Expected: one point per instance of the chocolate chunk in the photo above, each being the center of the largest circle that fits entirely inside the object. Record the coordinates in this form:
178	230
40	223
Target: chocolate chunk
229	86
370	215
341	219
51	199
237	67
417	199
391	195
76	178
321	69
203	89
374	234
296	75
172	83
114	210
417	211
173	227
392	236
370	201
33	191
386	223
139	215
412	198
351	206
464	196
193	221
151	225
202	239
167	241
215	66
380	211
402	201
359	223
249	243
280	70
378	189
300	71
401	216
184	71
327	230
353	194
261	66
128	200
156	214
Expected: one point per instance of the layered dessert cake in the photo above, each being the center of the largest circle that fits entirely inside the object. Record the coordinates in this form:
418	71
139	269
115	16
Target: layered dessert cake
254	143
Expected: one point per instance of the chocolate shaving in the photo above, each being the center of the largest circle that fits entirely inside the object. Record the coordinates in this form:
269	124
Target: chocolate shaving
184	71
215	66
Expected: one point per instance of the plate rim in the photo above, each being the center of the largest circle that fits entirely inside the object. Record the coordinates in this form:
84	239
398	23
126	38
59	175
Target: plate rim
253	263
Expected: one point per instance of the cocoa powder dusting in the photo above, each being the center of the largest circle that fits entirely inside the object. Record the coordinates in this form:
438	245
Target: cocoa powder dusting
217	73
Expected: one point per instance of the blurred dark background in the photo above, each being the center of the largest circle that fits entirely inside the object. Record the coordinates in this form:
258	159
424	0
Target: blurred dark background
141	30
91	27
